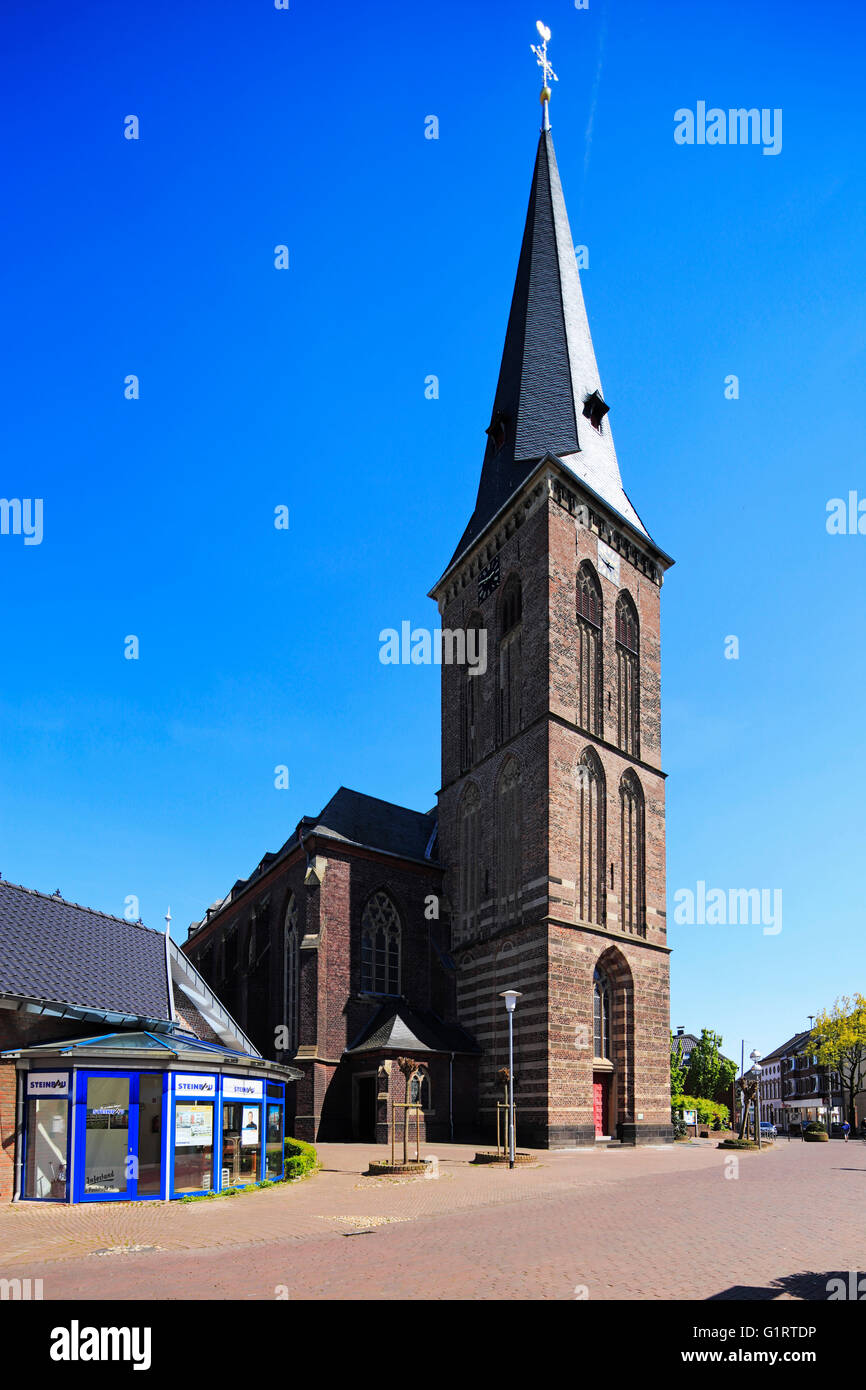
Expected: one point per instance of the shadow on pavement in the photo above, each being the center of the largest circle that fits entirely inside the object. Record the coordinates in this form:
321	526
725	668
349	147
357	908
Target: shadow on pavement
811	1286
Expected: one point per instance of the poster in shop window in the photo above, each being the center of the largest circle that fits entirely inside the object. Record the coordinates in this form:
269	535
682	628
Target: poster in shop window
250	1126
193	1124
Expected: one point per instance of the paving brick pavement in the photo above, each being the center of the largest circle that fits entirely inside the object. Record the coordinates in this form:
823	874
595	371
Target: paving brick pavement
648	1223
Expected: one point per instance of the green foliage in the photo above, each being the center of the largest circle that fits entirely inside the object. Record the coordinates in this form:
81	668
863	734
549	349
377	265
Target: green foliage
301	1158
708	1111
815	1127
727	1076
738	1144
706	1071
839	1039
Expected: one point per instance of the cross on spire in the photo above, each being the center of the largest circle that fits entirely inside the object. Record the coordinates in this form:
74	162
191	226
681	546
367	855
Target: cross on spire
540	51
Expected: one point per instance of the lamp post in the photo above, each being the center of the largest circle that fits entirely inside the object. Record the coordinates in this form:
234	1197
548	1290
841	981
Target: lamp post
755	1059
511	997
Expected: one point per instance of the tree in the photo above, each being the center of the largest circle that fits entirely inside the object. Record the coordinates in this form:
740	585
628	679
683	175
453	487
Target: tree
839	1039
708	1070
727	1076
678	1071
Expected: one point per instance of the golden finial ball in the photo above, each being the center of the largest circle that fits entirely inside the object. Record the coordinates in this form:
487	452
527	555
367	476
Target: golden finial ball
545	95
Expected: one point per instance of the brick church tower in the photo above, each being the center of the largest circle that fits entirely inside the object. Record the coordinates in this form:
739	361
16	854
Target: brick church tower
552	801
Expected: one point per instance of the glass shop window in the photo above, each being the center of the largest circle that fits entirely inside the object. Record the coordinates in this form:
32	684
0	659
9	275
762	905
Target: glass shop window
193	1147
45	1170
274	1159
242	1143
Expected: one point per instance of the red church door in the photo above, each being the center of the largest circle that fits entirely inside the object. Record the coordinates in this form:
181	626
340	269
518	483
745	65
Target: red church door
599	1105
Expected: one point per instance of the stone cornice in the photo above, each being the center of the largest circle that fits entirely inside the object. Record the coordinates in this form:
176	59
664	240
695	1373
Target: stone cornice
552	480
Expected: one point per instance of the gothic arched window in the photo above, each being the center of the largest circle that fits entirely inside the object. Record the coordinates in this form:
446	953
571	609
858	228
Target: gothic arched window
628	675
380	945
509	838
291	974
470	701
589	625
633	896
591	838
601	1008
469	898
510	666
419	1090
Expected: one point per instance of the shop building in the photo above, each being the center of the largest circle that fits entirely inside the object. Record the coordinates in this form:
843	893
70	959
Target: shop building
122	1075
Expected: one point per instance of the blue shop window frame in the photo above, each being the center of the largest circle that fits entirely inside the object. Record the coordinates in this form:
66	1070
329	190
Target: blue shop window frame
26	1139
262	1104
131	1192
281	1102
215	1101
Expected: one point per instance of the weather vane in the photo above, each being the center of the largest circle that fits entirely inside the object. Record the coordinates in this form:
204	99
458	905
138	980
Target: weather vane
540	51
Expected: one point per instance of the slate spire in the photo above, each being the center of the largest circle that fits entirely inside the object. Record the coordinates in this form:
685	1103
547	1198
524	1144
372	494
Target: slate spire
548	398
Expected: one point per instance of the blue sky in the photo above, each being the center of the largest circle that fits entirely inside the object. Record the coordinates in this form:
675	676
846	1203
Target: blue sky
306	388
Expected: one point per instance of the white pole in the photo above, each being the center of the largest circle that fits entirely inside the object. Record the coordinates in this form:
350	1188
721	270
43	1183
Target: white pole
511	1089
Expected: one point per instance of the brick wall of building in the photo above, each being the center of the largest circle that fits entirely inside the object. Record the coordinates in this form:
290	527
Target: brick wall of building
332	1009
550	955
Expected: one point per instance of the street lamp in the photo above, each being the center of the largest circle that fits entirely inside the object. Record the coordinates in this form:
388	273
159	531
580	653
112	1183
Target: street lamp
511	997
755	1058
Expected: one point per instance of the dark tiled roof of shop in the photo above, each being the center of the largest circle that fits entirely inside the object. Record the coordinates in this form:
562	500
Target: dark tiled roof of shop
60	953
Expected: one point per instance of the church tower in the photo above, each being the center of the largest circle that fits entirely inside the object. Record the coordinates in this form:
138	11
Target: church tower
551	810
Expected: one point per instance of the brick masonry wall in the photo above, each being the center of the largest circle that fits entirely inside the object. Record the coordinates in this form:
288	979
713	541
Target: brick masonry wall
332	1009
551	956
7	1130
19	1029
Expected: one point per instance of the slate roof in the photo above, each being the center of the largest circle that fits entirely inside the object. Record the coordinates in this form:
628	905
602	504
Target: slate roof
357	819
548	367
365	820
689	1042
791	1047
395	1027
57	952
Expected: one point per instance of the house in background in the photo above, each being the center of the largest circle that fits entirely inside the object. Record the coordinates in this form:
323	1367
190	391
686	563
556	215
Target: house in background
122	1075
796	1088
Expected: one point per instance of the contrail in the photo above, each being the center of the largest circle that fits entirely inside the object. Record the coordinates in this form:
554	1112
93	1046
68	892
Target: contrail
595	86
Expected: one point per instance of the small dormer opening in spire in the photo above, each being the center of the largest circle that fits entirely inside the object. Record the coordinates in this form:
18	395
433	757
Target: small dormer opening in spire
497	431
595	409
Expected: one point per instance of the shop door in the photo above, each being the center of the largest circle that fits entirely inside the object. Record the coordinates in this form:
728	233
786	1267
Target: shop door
119	1127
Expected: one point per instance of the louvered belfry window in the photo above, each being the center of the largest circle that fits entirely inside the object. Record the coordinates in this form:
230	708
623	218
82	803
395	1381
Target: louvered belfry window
633	894
589	629
591	839
510	659
628	675
380	946
470	705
